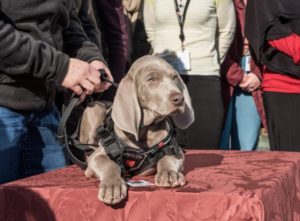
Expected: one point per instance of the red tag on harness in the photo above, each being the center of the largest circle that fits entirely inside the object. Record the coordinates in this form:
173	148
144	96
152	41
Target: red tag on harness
161	144
130	163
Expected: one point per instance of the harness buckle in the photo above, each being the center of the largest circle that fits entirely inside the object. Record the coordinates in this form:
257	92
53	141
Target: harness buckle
102	132
108	140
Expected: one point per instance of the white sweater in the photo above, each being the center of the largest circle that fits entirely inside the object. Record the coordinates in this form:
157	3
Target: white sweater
209	29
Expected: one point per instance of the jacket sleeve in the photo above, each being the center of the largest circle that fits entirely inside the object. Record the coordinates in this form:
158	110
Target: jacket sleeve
76	42
88	21
23	55
226	26
149	19
232	71
111	15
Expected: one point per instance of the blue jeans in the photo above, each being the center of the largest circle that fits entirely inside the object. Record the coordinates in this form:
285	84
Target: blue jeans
242	126
28	144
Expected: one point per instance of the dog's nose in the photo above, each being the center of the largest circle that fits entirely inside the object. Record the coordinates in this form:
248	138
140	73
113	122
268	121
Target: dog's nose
177	99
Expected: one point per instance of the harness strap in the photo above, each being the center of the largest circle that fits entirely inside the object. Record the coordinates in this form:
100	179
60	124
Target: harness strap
149	159
108	139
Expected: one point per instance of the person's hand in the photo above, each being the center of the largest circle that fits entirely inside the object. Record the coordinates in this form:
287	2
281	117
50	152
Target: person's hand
100	65
250	82
81	76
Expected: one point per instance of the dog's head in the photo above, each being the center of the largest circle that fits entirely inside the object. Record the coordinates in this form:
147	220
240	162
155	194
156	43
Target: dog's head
151	86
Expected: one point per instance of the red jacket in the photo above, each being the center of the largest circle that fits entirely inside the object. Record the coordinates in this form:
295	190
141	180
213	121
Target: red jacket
231	72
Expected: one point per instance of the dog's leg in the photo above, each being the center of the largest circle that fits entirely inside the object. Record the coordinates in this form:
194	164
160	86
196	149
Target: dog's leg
169	172
89	173
112	187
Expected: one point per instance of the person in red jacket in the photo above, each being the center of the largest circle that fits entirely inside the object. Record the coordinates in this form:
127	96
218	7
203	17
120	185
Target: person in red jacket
242	78
274	35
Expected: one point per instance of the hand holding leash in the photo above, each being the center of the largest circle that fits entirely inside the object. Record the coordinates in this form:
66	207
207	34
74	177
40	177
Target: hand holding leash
104	85
81	76
104	77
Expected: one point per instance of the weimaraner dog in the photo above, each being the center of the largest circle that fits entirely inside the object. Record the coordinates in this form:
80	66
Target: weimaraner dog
151	91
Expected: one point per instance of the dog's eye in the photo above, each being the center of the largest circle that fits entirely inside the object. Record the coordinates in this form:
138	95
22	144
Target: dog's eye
174	77
152	78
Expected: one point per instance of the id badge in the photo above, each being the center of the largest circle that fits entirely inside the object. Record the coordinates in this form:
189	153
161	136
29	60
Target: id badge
183	62
246	63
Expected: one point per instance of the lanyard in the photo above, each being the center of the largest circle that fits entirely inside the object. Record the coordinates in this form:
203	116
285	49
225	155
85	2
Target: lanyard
181	20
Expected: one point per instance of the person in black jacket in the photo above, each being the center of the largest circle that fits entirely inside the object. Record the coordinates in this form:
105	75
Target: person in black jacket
42	46
110	19
87	19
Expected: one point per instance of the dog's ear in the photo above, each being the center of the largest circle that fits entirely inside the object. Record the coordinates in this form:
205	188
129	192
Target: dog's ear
126	111
185	119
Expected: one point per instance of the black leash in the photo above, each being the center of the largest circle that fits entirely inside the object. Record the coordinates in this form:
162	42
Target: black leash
104	77
69	141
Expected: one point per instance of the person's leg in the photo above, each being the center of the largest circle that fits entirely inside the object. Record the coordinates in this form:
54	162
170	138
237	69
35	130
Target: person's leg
226	132
42	151
283	119
205	132
12	134
246	122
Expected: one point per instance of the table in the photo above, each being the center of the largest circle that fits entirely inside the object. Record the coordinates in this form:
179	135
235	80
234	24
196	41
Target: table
222	185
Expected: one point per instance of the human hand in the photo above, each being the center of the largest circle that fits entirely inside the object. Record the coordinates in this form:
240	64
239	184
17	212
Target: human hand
81	76
250	82
104	84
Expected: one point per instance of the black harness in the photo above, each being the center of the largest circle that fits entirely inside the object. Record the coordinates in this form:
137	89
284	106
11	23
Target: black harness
131	160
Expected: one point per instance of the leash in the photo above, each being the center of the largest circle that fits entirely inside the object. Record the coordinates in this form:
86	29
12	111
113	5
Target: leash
77	156
104	77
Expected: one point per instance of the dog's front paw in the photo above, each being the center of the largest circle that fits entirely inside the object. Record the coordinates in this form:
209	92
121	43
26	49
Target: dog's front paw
169	178
112	190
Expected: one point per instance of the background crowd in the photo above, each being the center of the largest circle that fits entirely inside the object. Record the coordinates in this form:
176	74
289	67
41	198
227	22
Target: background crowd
240	60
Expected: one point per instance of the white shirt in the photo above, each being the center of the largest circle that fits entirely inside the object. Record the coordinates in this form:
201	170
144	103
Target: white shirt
209	29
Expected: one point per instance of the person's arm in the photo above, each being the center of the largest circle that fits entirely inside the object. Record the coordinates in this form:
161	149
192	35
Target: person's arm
23	55
87	19
236	76
289	45
78	45
114	30
232	71
76	42
149	19
226	26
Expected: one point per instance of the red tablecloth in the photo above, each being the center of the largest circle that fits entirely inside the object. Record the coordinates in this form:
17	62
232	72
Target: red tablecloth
222	185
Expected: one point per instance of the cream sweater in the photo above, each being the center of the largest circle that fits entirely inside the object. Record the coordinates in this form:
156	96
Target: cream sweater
209	29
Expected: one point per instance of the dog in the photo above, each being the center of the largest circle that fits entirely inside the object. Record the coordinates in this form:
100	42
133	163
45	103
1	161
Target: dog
151	92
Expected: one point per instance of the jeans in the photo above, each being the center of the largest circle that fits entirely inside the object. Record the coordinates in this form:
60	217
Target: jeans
28	144
242	126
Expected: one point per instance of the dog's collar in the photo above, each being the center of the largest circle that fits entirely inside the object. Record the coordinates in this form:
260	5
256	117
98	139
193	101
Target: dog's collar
132	160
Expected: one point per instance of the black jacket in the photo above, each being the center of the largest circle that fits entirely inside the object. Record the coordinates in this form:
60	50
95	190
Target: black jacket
36	39
269	20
